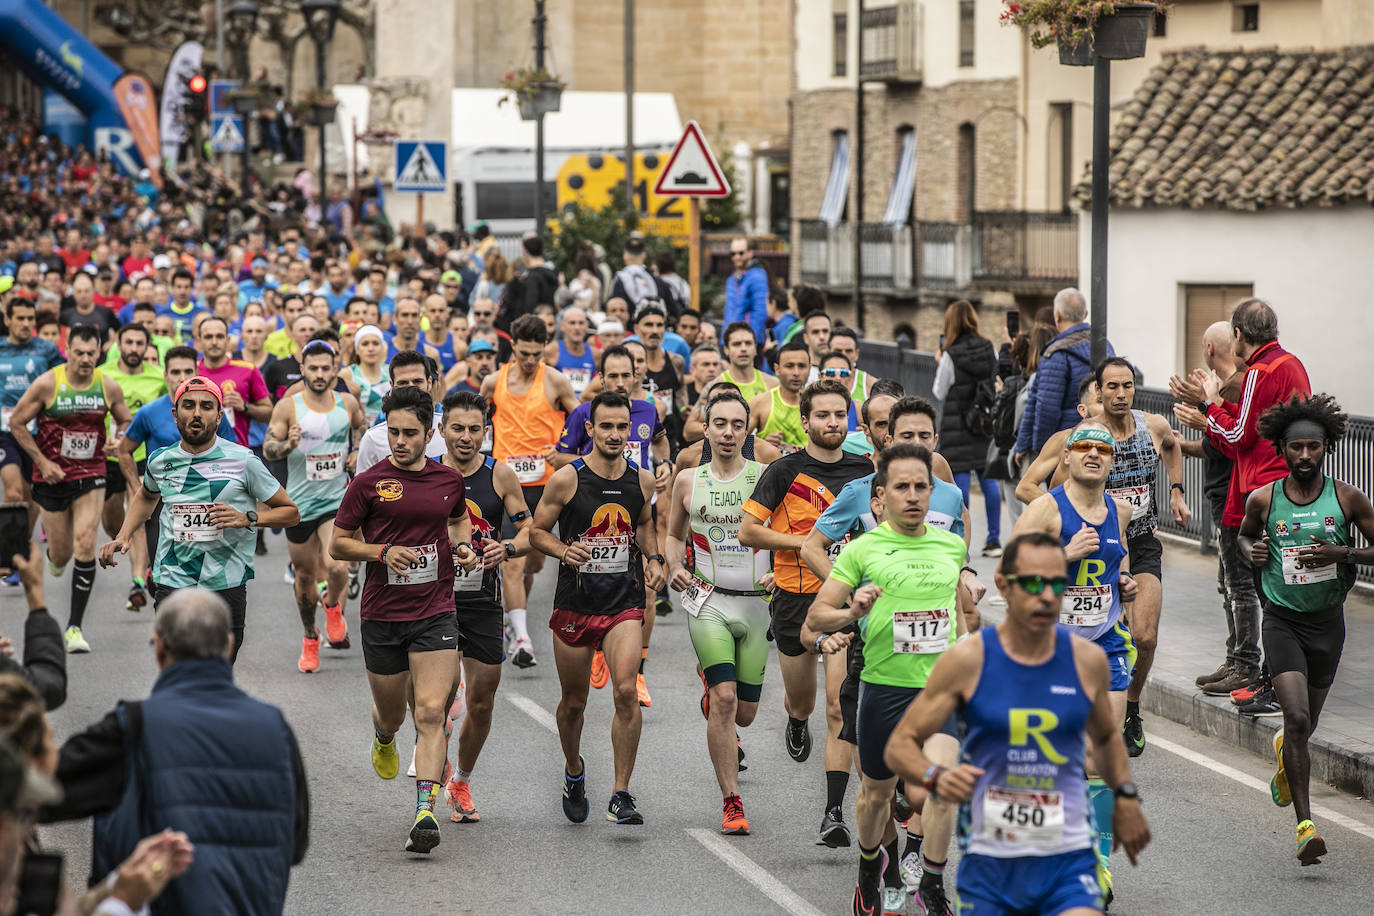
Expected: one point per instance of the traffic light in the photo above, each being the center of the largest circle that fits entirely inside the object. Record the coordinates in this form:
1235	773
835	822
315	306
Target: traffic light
197	104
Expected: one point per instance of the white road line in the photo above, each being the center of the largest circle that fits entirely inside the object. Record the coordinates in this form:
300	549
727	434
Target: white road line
1245	779
752	872
533	710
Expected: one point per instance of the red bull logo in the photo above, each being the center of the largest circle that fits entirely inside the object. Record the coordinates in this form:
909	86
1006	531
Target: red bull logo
610	520
481	528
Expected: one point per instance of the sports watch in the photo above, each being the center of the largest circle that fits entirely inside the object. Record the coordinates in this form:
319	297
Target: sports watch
1126	790
509	548
252	519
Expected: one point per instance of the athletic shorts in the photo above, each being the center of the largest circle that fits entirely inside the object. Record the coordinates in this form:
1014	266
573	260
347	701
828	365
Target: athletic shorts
532	496
730	636
387	644
115	482
849	690
236	598
58	497
991	886
480	630
575	629
789	613
880	709
1146	555
300	532
1120	650
1309	643
11	453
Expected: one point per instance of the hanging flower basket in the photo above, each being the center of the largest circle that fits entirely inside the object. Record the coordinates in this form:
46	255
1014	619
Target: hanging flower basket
321	113
535	92
1076	55
1123	35
1085	29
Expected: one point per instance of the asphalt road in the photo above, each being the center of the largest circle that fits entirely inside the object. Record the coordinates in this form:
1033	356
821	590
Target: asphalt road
1219	844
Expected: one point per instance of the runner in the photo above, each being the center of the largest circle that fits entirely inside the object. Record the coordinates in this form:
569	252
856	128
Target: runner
529	401
408	369
775	414
899	581
782	510
1026	832
406	336
313	431
23	358
245	393
473	370
573	356
816	335
664	373
436	314
492	492
369	373
698	453
1306	568
68	451
1092	525
286	371
846	341
607	557
723	594
741	350
210	489
407	517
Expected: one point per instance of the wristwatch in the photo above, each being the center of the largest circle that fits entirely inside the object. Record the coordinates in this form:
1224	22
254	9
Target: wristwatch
252	519
509	548
1126	790
1178	487
655	557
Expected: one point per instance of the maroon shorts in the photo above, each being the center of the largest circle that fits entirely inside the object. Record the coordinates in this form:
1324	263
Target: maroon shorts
576	629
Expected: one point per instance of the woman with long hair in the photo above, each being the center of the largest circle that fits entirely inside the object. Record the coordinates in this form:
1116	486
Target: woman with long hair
493	281
369	370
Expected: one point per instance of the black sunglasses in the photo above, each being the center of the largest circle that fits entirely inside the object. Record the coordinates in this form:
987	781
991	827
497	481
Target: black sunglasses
1034	585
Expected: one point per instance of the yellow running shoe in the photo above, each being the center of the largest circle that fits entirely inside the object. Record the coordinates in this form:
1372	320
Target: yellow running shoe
424	833
1311	846
1278	783
385	760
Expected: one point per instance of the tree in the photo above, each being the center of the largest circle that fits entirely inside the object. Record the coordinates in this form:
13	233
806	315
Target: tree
724	212
608	226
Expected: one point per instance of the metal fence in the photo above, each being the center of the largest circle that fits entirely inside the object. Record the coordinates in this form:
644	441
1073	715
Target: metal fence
914	369
1021	246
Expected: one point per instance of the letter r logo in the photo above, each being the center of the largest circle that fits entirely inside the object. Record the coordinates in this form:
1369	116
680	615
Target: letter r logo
1020	728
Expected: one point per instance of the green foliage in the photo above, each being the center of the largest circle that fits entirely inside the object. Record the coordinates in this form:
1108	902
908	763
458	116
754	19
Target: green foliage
608	227
724	212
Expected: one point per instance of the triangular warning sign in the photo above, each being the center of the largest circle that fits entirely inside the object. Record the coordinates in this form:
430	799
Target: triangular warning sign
228	137
692	171
421	170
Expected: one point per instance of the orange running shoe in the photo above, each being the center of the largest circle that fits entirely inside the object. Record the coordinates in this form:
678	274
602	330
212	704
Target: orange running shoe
335	627
732	821
310	655
601	674
644	699
460	799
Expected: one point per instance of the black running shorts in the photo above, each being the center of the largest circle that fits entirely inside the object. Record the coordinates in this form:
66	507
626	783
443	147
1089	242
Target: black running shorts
387	644
1308	643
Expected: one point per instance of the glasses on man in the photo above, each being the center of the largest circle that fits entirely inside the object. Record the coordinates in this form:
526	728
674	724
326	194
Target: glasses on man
835	373
1034	585
1101	448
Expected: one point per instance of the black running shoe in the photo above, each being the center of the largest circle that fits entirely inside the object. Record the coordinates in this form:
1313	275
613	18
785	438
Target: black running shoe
622	809
868	893
901	808
664	606
575	795
834	833
798	738
740	747
930	896
1264	703
1134	733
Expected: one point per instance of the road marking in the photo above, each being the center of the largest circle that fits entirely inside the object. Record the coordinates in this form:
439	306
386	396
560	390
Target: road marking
750	871
1245	779
533	710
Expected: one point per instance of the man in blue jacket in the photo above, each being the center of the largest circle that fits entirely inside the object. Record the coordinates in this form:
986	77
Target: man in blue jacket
746	291
1052	402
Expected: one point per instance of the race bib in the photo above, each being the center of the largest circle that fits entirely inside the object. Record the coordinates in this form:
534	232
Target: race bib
5	414
695	595
1086	605
833	551
324	467
1295	573
191	522
609	555
920	632
467	582
579	379
1020	816
1137	497
78	446
788	449
527	468
424	569
663	397
487	442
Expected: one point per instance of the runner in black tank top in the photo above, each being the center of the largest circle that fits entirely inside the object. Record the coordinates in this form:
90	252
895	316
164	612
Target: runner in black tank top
601	514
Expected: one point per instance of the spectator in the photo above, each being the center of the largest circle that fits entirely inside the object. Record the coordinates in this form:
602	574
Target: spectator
45	657
780	318
23	788
665	265
492	283
1066	361
746	291
538	284
636	285
227	769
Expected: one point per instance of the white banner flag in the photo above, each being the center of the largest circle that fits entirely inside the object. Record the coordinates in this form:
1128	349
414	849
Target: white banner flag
185	63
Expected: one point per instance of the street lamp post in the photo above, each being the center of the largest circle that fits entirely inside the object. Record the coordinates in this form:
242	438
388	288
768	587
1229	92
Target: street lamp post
242	17
320	18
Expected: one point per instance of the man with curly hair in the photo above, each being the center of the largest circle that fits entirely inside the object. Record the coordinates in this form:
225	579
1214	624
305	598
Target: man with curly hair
1297	534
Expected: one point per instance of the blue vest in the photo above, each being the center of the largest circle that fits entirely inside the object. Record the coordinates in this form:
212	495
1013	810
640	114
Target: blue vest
215	763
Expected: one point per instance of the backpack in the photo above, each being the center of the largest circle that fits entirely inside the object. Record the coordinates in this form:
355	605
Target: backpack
1004	411
638	283
978	414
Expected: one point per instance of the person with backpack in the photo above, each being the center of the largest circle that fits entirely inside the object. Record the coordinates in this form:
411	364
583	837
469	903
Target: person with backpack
635	284
964	381
1012	390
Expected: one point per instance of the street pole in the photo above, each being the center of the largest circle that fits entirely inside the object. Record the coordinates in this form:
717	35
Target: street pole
241	52
319	84
539	22
630	108
1102	92
858	220
219	65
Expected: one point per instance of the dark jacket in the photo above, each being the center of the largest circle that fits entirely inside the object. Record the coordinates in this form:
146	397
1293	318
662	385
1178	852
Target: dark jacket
201	756
1065	362
45	658
974	360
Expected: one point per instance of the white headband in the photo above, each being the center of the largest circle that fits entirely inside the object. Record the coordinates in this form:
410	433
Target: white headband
367	330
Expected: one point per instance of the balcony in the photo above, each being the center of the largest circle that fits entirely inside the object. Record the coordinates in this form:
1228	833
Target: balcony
1018	249
891	43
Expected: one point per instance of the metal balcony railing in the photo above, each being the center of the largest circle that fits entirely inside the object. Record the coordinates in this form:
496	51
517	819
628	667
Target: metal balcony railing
891	42
1025	248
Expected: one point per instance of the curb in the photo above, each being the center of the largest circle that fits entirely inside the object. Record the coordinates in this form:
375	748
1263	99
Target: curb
1179	700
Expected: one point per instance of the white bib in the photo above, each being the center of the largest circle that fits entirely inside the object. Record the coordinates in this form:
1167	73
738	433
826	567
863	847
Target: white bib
191	522
326	466
1021	816
1137	497
78	446
1295	573
920	632
609	555
527	468
464	581
425	570
634	451
579	379
833	551
695	595
5	414
1086	605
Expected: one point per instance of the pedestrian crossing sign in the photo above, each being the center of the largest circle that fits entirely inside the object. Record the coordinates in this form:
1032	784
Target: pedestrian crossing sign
421	165
226	133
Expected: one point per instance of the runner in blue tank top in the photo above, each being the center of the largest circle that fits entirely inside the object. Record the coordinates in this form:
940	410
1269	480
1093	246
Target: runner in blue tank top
1030	693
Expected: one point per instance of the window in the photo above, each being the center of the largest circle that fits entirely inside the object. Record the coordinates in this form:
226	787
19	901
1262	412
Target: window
967	188
836	198
505	200
1203	306
839	47
898	211
1245	17
1061	155
1161	25
966	31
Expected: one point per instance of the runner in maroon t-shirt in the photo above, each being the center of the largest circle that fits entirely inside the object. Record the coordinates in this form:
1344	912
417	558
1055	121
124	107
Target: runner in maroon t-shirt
407	517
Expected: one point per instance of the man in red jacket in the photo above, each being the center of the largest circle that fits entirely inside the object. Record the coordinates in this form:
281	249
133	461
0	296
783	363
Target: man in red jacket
1272	376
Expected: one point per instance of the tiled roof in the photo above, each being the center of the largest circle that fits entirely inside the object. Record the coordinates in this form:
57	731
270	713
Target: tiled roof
1247	130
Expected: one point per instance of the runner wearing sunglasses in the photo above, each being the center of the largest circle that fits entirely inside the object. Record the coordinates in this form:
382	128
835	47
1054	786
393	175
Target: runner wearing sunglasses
1092	525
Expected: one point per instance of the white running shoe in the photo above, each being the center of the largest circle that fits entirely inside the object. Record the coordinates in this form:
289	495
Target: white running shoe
910	869
410	770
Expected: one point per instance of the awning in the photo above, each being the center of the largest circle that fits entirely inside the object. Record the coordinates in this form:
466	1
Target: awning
898	210
837	185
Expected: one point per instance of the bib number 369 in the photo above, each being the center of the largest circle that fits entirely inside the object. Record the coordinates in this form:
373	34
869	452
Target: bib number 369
424	569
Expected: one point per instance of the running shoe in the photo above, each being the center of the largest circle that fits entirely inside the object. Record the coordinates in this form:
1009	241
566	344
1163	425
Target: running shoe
798	738
76	643
335	627
894	901
909	867
385	760
410	770
460	799
740	747
260	548
706	697
136	600
575	795
1264	703
289	577
355	583
868	891
524	653
424	833
622	809
1247	693
732	820
664	606
1311	846
53	569
930	896
1278	783
1133	730
309	662
459	706
901	808
992	548
833	833
601	673
1104	881
643	691
12	580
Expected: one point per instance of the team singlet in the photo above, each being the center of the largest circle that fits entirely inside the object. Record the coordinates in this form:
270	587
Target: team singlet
716	509
1285	580
526	426
71	428
479	587
315	474
1092	603
602	515
751	390
785	419
578	369
370	394
1132	477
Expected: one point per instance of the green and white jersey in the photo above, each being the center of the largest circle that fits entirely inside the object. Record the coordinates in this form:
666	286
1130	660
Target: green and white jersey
370	395
716	510
315	478
190	549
